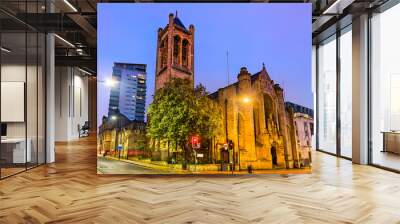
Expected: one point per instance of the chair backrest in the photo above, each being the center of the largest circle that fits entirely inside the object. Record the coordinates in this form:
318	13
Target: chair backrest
86	125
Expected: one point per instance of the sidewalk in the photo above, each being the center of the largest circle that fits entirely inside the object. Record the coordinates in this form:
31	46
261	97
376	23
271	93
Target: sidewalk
179	171
274	171
151	165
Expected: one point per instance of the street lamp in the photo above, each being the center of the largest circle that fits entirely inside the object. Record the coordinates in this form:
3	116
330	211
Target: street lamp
118	134
110	82
245	100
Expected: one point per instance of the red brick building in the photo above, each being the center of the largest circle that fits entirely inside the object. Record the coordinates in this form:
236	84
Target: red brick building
175	52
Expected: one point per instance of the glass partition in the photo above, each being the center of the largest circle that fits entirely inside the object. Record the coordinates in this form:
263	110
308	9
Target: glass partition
13	86
327	95
385	89
22	77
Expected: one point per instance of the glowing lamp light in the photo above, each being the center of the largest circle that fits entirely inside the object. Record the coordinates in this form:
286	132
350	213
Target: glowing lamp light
110	82
114	118
246	99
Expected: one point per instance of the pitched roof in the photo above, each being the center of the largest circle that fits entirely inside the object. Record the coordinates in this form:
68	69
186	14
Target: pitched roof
253	78
300	109
179	23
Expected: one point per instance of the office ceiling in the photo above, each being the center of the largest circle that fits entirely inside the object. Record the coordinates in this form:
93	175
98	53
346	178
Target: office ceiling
328	13
75	22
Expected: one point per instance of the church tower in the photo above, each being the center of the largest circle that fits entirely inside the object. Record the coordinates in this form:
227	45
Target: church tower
175	52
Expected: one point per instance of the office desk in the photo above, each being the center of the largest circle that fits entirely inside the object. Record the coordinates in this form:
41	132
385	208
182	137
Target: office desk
13	150
391	141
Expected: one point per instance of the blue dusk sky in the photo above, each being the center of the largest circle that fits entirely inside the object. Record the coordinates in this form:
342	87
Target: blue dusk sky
278	35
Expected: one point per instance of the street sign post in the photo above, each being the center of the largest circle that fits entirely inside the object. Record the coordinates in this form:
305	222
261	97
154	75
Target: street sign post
195	142
119	148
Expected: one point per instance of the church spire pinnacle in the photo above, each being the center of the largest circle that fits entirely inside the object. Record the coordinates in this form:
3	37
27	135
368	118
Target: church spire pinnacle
176	13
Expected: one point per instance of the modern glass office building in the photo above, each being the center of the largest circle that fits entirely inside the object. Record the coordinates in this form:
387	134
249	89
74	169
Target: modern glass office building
357	84
128	96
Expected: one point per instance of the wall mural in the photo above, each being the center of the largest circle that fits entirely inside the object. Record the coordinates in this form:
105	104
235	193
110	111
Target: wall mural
204	89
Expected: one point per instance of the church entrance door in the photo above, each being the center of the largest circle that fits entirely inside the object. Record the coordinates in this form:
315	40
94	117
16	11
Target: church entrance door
274	156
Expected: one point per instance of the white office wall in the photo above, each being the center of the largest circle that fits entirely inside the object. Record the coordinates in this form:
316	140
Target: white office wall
16	73
80	104
13	72
62	82
71	102
33	127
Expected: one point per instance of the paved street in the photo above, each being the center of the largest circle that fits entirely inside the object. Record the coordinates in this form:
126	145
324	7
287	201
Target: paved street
110	166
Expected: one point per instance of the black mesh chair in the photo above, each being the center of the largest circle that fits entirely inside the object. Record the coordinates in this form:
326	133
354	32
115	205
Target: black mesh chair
84	130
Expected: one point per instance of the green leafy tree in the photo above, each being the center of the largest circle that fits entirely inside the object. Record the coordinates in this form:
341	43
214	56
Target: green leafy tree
209	114
178	112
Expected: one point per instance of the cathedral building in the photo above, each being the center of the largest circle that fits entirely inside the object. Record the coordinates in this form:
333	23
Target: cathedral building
255	118
257	123
175	52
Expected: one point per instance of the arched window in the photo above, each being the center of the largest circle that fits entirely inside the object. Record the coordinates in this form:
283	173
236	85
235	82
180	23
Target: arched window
163	52
256	117
241	125
177	42
185	50
268	109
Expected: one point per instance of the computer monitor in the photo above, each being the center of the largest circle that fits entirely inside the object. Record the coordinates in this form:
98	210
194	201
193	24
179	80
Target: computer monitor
3	130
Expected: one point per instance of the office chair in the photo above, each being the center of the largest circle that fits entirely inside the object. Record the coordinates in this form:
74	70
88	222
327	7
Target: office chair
84	130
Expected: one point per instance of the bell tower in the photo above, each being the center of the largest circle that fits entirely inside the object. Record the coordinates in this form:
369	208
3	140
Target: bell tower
175	52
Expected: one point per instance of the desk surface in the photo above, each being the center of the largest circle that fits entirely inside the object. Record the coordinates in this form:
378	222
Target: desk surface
13	140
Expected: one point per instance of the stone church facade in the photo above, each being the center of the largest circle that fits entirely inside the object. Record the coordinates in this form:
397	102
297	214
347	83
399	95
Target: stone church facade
257	122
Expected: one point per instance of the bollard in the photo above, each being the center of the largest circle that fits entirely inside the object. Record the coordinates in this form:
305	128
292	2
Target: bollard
250	169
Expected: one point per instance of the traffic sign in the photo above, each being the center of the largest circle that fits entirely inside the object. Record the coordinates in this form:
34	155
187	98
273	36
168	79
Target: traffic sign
195	142
119	147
